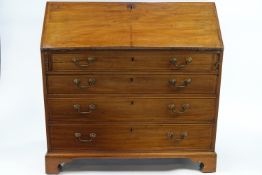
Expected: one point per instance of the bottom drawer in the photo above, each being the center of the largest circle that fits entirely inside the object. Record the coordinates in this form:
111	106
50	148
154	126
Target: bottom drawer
130	137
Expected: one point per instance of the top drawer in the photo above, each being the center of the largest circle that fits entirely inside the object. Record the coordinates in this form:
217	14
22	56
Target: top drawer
97	60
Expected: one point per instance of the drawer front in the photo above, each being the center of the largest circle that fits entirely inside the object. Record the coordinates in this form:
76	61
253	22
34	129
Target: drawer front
131	137
134	60
146	84
132	109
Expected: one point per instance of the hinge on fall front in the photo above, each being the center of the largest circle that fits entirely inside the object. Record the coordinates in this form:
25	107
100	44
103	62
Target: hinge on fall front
131	6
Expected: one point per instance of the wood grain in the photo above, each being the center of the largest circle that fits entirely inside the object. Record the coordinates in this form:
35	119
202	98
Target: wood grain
132	44
134	84
138	60
175	25
121	109
128	137
111	25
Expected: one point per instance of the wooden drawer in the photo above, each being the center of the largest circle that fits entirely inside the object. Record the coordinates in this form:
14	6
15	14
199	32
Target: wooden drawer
132	109
134	60
131	137
131	83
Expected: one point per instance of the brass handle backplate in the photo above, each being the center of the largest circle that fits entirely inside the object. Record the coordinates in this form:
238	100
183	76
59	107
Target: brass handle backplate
183	108
90	82
173	61
175	137
88	60
184	83
79	135
91	108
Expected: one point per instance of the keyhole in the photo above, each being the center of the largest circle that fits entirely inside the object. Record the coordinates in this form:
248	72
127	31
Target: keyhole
131	79
131	129
130	6
132	102
132	59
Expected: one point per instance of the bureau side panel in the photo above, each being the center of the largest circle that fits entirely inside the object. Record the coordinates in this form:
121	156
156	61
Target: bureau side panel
219	74
45	67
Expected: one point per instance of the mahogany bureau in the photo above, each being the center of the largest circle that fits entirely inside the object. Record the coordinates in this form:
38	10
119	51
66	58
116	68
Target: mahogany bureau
131	80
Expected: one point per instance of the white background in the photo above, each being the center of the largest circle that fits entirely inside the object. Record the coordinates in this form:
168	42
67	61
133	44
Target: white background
22	126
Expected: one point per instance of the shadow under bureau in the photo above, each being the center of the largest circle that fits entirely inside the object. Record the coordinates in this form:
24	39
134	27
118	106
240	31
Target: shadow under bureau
131	80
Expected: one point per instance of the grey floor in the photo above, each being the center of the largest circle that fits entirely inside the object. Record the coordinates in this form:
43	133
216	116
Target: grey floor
129	165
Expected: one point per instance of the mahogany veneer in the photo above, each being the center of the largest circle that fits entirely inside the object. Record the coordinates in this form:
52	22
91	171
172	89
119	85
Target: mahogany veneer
131	80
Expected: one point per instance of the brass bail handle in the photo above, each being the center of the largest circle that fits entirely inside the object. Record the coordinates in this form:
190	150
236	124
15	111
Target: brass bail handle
91	108
90	81
91	137
88	60
188	60
177	137
184	83
184	108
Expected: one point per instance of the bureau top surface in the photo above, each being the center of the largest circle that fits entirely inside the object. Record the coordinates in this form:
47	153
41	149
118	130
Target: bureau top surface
69	25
